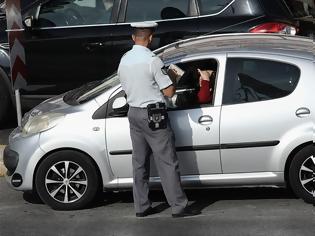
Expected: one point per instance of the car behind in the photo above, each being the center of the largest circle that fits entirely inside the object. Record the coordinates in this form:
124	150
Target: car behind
69	43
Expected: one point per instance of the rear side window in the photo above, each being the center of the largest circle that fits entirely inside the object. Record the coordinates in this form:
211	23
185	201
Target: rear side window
252	80
208	7
146	10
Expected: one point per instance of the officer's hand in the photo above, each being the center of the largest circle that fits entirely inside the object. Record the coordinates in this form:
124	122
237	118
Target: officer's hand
169	91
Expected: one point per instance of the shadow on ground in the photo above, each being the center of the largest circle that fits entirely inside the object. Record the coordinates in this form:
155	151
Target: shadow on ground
200	198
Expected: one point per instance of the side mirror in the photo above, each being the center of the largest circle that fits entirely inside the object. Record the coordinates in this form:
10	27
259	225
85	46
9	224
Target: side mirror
119	103
29	21
120	107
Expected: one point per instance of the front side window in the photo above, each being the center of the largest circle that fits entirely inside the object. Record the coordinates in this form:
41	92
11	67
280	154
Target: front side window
144	10
75	12
193	90
207	7
252	80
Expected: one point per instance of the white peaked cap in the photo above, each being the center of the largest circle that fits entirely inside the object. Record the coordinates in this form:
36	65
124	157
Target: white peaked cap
144	24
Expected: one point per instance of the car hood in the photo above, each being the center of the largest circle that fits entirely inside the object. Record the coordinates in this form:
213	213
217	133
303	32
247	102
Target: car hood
54	104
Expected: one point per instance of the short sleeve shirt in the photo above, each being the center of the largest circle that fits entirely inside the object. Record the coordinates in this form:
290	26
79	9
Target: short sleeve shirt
142	77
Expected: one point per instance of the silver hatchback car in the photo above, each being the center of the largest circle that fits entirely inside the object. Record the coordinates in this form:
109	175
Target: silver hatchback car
258	130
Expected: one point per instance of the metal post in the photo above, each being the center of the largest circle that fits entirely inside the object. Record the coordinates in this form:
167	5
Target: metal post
18	107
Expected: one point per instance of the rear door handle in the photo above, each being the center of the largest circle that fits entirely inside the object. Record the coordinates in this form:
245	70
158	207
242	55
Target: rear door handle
205	120
302	112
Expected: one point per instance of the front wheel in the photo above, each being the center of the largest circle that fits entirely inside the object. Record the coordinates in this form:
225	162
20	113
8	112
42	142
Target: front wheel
302	174
67	180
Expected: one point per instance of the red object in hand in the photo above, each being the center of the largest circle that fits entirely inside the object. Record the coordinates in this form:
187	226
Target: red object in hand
204	94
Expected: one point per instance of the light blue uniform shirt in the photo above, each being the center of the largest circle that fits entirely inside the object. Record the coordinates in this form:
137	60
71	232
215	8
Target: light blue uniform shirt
141	76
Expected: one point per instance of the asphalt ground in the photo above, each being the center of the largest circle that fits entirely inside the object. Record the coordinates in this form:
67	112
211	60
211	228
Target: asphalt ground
258	211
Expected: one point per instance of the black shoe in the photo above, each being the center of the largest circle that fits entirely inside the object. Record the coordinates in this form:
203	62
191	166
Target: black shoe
186	213
149	211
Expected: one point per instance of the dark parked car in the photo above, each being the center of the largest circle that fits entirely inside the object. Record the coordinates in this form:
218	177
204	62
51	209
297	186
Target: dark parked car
70	42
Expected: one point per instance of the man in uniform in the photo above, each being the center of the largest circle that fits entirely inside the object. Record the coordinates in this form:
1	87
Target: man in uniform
143	79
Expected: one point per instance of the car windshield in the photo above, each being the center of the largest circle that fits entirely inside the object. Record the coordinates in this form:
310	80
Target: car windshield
90	90
98	89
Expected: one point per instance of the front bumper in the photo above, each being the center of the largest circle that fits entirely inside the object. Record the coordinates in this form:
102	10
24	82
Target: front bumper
10	160
20	158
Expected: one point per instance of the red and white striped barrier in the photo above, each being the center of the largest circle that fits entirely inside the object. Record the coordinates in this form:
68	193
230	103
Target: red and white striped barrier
15	36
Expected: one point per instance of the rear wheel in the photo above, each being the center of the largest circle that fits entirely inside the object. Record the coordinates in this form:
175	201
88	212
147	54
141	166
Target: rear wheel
67	180
302	174
5	101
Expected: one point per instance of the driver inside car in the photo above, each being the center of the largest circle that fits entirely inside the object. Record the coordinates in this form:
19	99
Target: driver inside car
189	93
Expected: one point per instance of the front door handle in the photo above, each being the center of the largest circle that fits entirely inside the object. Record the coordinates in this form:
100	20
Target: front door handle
205	120
302	112
95	45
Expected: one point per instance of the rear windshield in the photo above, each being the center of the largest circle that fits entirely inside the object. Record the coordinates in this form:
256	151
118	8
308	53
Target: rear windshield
277	8
301	8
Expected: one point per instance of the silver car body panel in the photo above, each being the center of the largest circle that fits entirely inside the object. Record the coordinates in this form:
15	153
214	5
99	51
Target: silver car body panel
29	151
237	125
219	165
79	132
273	179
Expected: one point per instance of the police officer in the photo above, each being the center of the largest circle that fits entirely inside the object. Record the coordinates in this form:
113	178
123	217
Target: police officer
143	79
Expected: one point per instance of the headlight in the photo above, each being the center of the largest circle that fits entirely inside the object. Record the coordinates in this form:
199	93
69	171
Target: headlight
41	123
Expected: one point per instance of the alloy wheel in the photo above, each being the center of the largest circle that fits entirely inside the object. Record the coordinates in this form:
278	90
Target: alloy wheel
66	182
307	175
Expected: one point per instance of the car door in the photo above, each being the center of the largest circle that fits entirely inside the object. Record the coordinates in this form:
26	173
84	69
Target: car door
197	144
259	108
196	132
68	45
177	19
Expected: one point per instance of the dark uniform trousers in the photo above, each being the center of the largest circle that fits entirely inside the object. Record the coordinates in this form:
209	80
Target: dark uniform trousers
160	143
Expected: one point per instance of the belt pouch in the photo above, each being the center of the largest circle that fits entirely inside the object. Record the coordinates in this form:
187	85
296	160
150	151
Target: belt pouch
157	116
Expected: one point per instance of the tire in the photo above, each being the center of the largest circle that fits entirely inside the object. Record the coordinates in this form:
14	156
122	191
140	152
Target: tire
76	191
301	174
5	101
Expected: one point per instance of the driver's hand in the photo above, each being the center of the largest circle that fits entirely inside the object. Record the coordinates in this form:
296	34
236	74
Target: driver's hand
205	74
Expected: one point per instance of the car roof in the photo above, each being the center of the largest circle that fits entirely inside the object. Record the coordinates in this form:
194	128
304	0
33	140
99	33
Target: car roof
272	44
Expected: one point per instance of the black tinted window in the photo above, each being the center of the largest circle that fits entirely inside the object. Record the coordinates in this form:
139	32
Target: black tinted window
145	10
302	8
276	8
251	80
75	12
212	6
